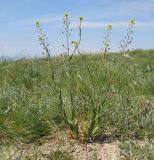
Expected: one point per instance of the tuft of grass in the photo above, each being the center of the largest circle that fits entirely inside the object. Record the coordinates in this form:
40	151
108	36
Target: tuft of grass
59	155
133	150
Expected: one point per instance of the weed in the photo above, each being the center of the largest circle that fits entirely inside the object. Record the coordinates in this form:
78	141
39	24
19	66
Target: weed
124	44
107	39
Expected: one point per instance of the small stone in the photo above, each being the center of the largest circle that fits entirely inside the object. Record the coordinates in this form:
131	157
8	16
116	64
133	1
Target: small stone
77	151
84	156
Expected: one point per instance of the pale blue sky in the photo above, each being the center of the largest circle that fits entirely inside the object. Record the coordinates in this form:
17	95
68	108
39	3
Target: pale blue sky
18	34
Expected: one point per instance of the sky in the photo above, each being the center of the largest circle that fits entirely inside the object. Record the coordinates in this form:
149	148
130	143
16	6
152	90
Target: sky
18	35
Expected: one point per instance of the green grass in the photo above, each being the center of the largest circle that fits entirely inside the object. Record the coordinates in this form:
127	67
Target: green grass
112	96
134	150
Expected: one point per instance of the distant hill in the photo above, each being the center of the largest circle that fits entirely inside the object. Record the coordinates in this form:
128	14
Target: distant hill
6	58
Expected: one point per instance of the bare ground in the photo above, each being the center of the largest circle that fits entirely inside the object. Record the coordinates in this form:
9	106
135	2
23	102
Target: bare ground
103	149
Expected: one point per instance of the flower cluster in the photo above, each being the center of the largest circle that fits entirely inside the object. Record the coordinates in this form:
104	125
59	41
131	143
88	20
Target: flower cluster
81	18
66	14
132	21
37	24
75	43
109	27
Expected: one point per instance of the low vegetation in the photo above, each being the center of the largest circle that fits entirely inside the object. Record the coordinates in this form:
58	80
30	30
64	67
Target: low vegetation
115	98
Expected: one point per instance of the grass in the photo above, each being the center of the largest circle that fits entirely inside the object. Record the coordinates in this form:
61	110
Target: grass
90	96
134	150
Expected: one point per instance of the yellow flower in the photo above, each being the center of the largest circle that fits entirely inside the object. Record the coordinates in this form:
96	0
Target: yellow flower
66	14
132	21
109	27
75	43
81	18
37	24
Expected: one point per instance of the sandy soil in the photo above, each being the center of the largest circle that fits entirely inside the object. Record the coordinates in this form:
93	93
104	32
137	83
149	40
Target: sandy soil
105	150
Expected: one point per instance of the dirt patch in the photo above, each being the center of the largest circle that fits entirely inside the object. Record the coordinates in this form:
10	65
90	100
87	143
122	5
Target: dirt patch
82	151
104	148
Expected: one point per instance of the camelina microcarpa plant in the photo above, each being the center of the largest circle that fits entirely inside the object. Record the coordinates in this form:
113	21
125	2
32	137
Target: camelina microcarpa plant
125	43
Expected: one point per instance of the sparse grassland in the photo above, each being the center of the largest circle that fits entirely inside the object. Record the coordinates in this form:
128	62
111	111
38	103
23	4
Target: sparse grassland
89	98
